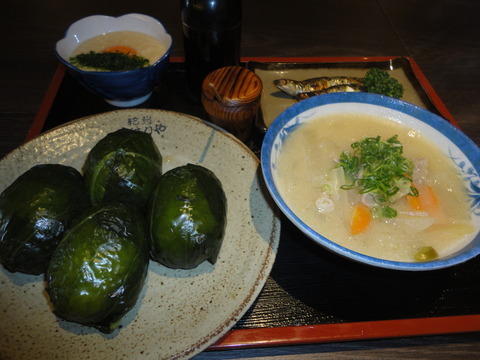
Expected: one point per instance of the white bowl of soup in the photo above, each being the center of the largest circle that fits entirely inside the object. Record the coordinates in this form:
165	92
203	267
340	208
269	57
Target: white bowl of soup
120	59
377	180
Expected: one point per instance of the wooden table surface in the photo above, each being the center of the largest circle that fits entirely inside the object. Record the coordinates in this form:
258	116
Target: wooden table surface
442	36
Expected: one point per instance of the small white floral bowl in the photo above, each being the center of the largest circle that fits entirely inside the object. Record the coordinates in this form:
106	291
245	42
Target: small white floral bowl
119	88
453	143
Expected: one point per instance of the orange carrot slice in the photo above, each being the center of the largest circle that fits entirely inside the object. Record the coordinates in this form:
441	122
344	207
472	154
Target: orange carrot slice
123	49
429	199
415	202
425	201
361	218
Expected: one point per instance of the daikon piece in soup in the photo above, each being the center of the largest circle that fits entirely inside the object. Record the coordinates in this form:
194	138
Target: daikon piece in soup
126	42
427	217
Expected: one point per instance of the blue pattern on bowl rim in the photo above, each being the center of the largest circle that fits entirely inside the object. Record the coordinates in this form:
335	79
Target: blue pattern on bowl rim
472	181
456	145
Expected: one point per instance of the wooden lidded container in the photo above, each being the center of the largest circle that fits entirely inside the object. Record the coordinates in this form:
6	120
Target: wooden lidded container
231	97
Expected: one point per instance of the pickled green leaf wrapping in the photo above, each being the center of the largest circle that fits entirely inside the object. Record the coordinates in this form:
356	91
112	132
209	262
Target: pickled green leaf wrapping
35	211
98	270
187	217
123	166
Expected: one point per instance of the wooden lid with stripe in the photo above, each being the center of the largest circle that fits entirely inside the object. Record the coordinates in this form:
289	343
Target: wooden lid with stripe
232	86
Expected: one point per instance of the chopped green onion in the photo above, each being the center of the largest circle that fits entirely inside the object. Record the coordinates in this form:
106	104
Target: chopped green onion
378	167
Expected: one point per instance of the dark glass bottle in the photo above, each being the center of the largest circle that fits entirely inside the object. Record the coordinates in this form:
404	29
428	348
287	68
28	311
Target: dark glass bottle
211	35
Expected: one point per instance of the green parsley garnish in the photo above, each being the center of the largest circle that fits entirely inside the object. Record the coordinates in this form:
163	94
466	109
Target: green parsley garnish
380	82
378	167
109	61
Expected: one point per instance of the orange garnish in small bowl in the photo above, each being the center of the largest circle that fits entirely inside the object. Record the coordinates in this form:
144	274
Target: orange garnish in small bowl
122	49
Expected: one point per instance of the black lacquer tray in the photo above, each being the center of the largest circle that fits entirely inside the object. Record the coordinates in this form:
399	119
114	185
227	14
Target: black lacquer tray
313	295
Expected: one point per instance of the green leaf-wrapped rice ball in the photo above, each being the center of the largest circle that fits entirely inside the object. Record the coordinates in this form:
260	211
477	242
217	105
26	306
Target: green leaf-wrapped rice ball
35	211
98	270
187	217
123	166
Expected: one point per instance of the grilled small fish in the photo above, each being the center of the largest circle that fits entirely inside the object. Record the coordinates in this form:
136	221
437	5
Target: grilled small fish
331	89
294	87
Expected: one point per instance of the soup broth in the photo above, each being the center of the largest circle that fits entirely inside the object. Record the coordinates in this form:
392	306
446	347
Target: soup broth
144	45
307	170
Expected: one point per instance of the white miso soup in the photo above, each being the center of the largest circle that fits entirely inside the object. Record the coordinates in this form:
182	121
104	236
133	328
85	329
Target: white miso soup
126	41
307	172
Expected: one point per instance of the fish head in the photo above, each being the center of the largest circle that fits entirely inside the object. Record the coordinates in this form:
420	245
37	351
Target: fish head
291	87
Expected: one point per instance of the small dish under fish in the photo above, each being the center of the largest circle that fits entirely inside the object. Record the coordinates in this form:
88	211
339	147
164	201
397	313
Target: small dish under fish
375	81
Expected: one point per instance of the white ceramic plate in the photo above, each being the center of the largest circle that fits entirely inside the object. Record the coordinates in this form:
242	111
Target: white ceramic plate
180	312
